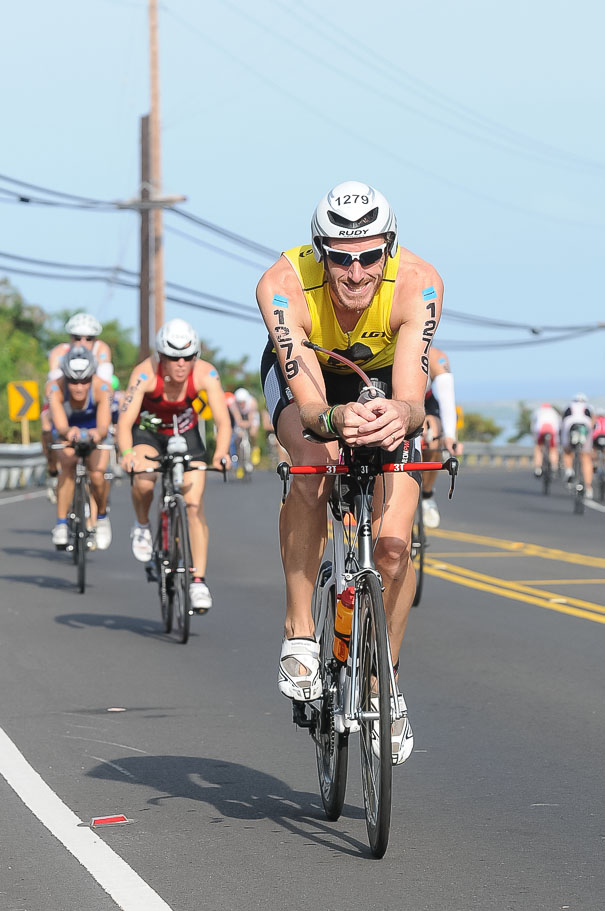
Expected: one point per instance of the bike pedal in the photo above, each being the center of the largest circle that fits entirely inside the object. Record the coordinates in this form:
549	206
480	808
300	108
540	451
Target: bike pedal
63	547
150	572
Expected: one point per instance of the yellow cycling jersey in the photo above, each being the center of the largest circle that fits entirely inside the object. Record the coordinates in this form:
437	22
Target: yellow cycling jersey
371	343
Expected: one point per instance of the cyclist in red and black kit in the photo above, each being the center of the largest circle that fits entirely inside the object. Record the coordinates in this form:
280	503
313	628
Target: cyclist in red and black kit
161	388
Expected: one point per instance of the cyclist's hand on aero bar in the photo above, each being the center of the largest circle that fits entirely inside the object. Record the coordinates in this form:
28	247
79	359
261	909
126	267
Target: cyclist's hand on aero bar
388	425
72	434
348	419
221	460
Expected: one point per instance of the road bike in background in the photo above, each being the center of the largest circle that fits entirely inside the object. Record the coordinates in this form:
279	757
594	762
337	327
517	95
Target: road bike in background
577	437
171	564
80	537
547	471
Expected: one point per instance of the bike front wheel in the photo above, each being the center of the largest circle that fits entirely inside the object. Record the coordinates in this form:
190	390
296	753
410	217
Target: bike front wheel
81	536
375	714
331	746
418	548
180	564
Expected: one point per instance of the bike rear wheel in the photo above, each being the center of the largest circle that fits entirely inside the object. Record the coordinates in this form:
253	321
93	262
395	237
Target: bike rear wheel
180	564
578	504
546	475
331	747
418	548
374	697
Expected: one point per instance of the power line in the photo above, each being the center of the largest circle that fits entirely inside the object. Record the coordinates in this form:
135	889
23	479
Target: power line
230	235
208	246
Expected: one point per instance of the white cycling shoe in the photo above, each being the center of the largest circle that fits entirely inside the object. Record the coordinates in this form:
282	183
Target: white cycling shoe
60	536
142	544
402	738
298	676
103	533
201	599
430	513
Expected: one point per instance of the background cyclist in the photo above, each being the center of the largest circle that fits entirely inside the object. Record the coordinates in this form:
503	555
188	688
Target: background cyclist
440	428
578	412
352	289
80	406
545	419
161	387
83	329
249	419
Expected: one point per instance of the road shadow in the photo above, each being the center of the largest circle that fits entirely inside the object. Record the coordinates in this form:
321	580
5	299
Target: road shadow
43	581
29	531
236	792
39	553
138	625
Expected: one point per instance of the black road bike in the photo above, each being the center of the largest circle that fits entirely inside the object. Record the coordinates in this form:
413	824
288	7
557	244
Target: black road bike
356	691
171	565
80	537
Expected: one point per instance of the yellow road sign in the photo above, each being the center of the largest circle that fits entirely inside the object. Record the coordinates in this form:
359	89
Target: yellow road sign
23	400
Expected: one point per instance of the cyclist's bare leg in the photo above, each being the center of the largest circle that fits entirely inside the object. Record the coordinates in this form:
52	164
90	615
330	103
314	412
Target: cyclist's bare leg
392	553
537	456
65	487
302	522
587	468
47	440
143	485
97	463
193	491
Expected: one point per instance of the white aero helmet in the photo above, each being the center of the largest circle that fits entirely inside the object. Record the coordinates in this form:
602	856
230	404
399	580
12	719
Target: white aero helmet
353	209
83	324
78	364
177	338
580	397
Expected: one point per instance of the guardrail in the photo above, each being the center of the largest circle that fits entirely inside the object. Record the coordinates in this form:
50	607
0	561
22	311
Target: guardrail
510	454
21	466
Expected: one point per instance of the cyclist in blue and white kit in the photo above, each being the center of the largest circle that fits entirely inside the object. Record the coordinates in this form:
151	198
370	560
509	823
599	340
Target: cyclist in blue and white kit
80	406
578	412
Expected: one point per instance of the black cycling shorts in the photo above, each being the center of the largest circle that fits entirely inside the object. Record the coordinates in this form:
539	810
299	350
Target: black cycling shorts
340	389
159	441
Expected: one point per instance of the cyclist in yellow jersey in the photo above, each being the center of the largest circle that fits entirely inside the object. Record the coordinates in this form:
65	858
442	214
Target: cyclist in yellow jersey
356	291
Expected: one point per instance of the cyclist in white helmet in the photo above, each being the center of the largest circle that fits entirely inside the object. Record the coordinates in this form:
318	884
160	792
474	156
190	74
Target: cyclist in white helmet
160	388
247	407
83	329
580	413
355	290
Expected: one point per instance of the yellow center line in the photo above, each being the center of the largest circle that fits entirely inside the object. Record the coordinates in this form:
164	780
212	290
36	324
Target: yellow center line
559	581
516	590
473	553
520	547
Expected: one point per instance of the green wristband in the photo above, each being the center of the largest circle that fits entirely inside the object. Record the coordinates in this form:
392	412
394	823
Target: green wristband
329	419
126	451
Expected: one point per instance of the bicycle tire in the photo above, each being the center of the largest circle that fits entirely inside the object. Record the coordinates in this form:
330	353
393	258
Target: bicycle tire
578	502
80	542
546	477
601	486
331	747
164	578
180	565
375	735
418	548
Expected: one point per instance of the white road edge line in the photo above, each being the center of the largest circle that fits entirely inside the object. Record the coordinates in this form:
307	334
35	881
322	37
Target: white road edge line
23	496
113	874
592	505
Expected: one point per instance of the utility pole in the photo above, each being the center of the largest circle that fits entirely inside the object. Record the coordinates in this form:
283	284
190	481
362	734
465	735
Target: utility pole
145	270
156	169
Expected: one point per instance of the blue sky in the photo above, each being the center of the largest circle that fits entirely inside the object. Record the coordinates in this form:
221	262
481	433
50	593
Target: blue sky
481	122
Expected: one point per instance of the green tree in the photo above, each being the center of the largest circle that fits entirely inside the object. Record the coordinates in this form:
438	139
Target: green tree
523	423
478	428
21	355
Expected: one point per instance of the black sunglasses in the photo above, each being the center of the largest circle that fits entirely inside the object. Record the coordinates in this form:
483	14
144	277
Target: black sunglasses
78	382
344	258
83	338
177	357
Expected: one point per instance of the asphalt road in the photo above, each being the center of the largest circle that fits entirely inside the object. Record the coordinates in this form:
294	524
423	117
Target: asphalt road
500	806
